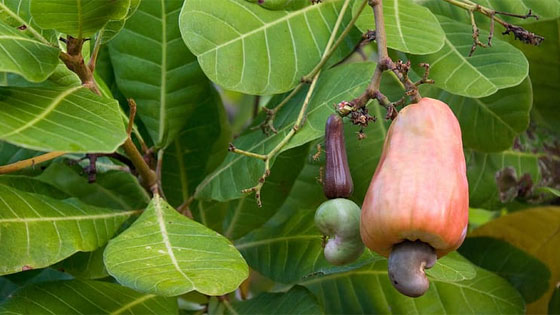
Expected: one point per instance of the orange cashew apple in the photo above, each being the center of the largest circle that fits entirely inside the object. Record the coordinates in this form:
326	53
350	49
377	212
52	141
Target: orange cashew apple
416	207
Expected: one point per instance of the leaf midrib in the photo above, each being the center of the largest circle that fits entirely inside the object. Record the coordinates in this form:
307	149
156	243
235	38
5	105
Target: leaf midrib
72	218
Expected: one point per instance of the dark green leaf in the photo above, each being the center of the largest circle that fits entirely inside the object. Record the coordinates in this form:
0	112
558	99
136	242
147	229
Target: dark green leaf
525	272
554	304
85	297
153	66
32	185
297	300
85	265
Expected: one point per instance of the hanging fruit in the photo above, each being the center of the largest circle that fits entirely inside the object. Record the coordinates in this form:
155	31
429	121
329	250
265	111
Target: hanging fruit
416	207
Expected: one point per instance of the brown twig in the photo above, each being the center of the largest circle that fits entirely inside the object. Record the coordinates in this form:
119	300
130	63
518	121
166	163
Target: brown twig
19	165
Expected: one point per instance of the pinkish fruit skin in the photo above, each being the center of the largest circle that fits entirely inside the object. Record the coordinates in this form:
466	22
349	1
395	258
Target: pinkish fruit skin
419	190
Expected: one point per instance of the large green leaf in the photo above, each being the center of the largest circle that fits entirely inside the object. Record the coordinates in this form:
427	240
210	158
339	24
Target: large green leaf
282	4
402	26
153	66
341	83
368	290
257	51
24	55
113	27
85	297
545	72
79	18
196	150
482	169
38	231
537	232
298	300
112	189
166	253
526	273
490	124
482	74
32	185
69	119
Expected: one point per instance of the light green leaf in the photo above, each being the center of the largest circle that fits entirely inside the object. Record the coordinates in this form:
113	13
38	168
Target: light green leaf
85	297
17	13
39	231
69	119
409	27
113	27
78	18
368	290
153	66
452	268
298	300
29	57
257	51
481	174
166	253
480	75
490	124
196	150
340	83
112	189
525	272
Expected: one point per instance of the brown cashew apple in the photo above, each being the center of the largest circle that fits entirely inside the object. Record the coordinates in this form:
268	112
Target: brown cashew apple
416	207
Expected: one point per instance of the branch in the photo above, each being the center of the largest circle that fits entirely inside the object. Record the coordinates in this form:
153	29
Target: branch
19	165
518	31
301	116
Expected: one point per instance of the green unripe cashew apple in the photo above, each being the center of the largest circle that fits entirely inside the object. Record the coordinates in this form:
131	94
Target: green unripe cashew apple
339	219
337	182
416	207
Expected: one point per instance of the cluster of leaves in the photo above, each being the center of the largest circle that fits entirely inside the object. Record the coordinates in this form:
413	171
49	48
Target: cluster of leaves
72	246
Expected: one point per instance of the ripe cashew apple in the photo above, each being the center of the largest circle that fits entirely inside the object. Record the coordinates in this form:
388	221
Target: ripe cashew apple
337	182
416	207
339	219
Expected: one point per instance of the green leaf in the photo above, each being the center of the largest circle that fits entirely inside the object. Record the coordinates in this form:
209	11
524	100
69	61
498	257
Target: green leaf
33	59
85	297
490	124
451	268
537	232
113	27
298	300
112	189
6	288
544	71
340	83
10	153
196	150
257	51
166	253
526	273
39	231
17	13
78	18
69	119
153	66
85	265
480	75
32	185
482	169
403	19
368	290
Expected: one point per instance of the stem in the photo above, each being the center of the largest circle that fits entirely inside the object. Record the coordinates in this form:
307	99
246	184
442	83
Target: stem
5	169
74	61
95	53
301	116
268	124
